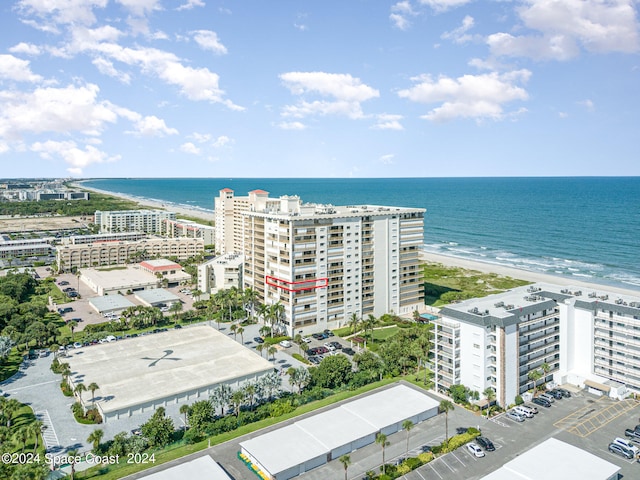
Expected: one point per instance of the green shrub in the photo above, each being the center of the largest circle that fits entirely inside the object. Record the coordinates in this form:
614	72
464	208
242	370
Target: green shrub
473	431
519	400
403	469
300	358
425	457
66	389
413	462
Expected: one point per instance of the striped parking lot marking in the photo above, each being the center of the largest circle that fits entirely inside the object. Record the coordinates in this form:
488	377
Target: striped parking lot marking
48	433
588	419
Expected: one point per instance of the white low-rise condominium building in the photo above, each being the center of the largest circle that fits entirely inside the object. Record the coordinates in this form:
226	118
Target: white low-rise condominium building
325	263
565	334
148	221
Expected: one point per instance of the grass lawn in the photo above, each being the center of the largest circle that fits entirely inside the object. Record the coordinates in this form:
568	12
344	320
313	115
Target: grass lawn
382	334
10	365
445	284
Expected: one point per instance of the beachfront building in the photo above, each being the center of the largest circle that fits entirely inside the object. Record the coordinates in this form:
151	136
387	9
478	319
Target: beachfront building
221	273
228	217
103	237
147	221
588	340
188	228
494	342
73	256
11	250
324	264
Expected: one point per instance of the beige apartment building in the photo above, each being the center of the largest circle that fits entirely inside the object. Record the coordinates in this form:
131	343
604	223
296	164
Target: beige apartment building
325	263
85	255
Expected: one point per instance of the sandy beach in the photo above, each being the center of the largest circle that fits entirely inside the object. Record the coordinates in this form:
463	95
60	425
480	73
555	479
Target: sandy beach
181	209
524	274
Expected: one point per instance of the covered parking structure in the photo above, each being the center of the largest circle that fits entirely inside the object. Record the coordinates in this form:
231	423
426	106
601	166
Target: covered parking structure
156	297
201	467
308	443
110	304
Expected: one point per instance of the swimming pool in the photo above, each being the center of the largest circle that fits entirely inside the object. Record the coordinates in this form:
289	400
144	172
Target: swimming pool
428	316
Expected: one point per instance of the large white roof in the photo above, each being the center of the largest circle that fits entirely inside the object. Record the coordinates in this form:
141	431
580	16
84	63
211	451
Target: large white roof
561	460
151	367
202	467
319	434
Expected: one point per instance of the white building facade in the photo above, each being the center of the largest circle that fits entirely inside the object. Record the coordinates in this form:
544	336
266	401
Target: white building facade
148	221
221	273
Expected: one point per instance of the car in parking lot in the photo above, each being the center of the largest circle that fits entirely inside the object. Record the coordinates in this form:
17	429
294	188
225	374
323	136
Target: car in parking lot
336	345
77	345
63	282
348	351
543	402
626	444
318	336
329	346
475	450
522	410
258	339
531	408
555	394
285	343
513	415
547	397
306	339
620	450
328	332
564	392
485	443
315	360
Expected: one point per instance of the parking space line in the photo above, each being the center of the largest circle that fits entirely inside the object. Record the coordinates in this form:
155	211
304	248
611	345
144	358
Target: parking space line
456	457
577	424
434	470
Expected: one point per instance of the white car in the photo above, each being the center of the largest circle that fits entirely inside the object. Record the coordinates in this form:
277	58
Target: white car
306	339
329	347
285	343
475	450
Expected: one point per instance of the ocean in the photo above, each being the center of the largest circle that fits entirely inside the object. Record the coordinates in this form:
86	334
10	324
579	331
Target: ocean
586	228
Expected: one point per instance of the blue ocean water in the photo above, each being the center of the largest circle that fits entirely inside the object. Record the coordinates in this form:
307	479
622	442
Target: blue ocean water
586	228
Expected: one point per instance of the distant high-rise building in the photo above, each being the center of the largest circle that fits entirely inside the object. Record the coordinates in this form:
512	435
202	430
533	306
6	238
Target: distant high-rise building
148	221
322	263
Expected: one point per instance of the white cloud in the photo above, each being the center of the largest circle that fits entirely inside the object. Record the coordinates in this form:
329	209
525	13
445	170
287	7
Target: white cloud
208	40
200	137
13	68
106	67
60	110
140	7
191	4
190	148
460	35
292	126
401	14
79	12
587	104
75	156
221	141
387	159
561	29
563	114
152	126
346	93
470	96
443	5
26	49
388	122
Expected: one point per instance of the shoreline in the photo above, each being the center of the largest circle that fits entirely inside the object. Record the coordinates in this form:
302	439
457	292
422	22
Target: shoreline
535	277
205	215
451	261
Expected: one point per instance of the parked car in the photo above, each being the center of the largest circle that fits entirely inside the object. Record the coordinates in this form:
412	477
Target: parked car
285	343
485	443
523	411
318	336
63	282
258	339
306	340
513	415
475	450
620	450
547	397
543	402
555	394
328	332
329	346
531	408
348	351
313	359
336	345
565	393
77	345
623	442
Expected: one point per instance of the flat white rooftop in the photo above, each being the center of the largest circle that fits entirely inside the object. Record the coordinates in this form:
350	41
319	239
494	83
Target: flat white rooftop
138	370
203	467
319	434
560	460
156	295
115	278
110	303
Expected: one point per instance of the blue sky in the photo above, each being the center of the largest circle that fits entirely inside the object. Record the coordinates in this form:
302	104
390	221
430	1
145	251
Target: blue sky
349	88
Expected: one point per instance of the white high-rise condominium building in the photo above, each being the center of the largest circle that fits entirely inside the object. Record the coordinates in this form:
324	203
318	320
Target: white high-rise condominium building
325	263
586	339
148	221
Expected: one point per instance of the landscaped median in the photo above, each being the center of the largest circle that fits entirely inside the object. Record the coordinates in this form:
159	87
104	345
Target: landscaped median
411	463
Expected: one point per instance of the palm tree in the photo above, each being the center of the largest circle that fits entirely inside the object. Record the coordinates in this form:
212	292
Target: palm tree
80	387
249	297
175	308
445	407
490	395
381	439
234	330
93	386
196	294
35	429
71	455
22	436
346	461
546	368
298	340
354	321
95	438
260	348
240	331
237	399
184	409
10	407
272	351
407	425
250	393
534	376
